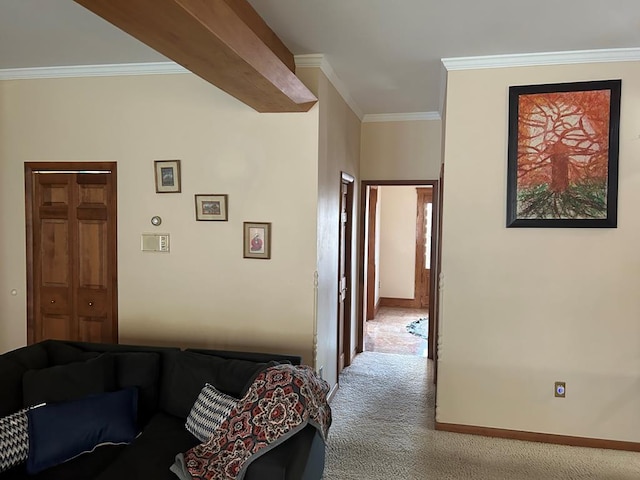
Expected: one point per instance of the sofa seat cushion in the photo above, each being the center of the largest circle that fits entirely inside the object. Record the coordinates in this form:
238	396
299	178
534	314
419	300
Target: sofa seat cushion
84	467
153	452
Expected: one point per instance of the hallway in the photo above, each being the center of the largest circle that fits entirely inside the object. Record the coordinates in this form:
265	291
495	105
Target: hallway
387	332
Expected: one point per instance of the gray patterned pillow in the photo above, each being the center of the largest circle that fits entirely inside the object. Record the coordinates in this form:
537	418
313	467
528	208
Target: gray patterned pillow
212	407
14	440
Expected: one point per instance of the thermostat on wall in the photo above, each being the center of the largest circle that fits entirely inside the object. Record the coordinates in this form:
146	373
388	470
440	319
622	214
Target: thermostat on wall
155	242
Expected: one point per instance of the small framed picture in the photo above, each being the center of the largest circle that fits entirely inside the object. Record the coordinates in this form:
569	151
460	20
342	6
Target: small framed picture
167	176
257	240
212	208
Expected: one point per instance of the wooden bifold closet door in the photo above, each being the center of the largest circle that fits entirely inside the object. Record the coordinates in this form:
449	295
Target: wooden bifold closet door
71	252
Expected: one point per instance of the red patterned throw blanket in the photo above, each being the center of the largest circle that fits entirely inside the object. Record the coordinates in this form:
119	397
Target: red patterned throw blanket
281	401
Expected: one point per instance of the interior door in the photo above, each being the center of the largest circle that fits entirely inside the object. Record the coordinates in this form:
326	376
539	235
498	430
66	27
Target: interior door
371	253
423	246
344	272
71	252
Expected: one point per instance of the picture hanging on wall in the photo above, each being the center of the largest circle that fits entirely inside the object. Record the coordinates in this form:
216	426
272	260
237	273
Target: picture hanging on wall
563	155
257	240
167	173
212	208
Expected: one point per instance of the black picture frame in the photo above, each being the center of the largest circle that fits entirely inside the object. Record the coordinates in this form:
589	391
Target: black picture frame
563	148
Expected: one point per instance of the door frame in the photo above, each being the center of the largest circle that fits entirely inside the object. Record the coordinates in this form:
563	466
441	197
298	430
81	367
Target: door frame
362	281
436	263
67	167
349	181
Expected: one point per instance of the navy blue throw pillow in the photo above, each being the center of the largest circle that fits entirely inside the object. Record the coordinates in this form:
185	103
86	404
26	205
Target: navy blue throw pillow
61	431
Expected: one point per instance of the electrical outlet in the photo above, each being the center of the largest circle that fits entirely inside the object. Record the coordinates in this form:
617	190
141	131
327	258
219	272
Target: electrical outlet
560	389
321	372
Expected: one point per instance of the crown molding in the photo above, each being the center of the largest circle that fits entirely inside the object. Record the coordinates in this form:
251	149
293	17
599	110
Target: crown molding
318	60
311	60
112	70
400	117
541	59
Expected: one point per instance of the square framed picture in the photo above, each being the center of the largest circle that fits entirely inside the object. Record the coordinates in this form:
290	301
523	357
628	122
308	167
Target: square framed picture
212	208
257	240
167	174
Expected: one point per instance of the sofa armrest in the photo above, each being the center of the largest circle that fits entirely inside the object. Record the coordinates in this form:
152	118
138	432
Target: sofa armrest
301	457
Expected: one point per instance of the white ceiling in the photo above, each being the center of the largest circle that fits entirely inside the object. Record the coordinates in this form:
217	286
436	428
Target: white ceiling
386	52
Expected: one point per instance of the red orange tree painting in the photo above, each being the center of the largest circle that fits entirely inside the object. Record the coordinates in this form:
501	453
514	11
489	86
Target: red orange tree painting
563	149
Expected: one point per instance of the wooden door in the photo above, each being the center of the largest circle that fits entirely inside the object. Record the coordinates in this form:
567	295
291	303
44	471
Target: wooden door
344	272
71	252
371	253
423	247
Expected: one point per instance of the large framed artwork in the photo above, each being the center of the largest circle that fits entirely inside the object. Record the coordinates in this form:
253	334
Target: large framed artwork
563	155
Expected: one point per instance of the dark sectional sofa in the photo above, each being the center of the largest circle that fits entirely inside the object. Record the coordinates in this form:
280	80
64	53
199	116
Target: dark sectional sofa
167	382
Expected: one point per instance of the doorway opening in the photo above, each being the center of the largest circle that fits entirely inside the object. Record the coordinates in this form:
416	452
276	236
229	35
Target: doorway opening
398	267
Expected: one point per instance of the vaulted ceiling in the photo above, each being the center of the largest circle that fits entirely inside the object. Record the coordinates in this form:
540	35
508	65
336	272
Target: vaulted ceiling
386	53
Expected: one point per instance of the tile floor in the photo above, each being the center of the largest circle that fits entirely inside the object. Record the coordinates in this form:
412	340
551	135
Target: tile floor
387	332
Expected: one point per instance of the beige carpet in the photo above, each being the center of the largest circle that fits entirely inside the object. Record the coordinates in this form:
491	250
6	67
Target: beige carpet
383	430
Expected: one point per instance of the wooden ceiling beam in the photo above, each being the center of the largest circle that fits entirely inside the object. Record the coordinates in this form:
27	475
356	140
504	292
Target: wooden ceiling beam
223	41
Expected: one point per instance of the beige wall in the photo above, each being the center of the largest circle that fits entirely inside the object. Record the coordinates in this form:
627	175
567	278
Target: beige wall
203	293
338	151
523	308
397	229
402	150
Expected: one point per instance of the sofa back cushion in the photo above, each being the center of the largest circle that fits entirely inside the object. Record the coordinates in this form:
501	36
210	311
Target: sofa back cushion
13	365
30	357
253	356
60	353
68	382
185	373
140	370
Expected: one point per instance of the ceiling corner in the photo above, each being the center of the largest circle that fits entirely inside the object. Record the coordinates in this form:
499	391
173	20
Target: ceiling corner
318	60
